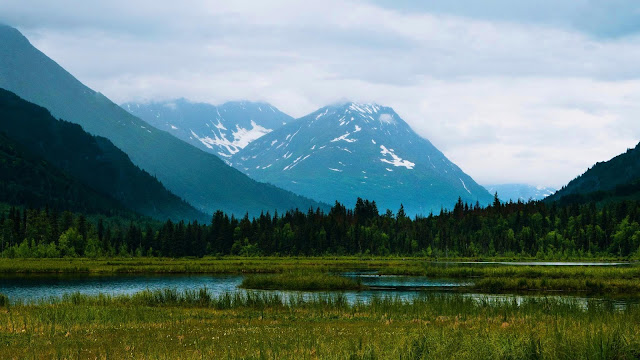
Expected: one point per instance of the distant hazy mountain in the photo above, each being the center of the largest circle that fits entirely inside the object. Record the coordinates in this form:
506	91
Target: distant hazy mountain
80	158
524	192
352	150
618	177
202	179
221	130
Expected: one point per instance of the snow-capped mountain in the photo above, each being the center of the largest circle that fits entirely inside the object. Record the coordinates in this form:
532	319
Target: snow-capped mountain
524	192
354	150
221	130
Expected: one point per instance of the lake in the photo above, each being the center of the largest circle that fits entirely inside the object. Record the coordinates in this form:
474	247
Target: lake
29	288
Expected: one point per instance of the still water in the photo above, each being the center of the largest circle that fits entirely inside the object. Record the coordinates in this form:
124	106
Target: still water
34	287
28	288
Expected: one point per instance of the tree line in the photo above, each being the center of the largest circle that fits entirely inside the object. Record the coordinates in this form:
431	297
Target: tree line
533	229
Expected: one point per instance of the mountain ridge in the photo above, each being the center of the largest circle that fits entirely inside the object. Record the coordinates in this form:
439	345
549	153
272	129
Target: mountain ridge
202	179
359	150
221	130
619	171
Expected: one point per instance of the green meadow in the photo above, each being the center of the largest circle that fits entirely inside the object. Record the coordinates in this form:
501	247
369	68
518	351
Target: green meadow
195	325
248	324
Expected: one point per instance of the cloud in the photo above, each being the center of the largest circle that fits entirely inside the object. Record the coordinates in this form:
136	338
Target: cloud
523	95
605	19
386	118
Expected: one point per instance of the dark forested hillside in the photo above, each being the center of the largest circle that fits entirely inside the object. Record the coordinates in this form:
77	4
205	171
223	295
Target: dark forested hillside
82	161
26	179
610	179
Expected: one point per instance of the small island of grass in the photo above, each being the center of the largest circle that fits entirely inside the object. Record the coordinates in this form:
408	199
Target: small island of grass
301	281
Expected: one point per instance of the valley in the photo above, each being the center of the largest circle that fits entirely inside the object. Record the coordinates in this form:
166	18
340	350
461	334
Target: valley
197	220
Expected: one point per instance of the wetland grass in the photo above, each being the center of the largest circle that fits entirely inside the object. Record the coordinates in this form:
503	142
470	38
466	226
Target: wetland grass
168	324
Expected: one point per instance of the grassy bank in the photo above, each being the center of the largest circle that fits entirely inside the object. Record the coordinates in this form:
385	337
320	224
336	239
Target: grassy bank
564	285
471	271
287	272
494	278
194	325
301	281
208	265
258	265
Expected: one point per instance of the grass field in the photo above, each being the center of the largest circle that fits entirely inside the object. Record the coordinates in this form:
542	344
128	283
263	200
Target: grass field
195	325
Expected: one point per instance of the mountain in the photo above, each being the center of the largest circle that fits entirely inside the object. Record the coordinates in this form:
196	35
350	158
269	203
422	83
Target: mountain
29	180
221	130
200	178
618	177
523	192
91	161
351	150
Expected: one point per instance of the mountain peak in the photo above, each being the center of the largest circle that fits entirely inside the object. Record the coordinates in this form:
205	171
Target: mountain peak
218	129
368	108
349	150
370	114
10	35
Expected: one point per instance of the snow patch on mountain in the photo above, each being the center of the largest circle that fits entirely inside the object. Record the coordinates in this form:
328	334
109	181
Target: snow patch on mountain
344	137
465	186
365	108
395	159
222	130
220	126
241	138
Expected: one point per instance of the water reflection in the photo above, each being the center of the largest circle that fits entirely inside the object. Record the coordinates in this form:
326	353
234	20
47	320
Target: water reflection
532	263
29	288
33	287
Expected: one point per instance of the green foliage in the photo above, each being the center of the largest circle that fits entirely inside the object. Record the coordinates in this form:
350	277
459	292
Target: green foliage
513	230
68	242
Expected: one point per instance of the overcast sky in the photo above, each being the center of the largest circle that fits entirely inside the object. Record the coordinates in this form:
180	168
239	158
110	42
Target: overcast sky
528	91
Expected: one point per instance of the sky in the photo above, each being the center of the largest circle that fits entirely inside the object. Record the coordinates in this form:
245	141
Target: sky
521	91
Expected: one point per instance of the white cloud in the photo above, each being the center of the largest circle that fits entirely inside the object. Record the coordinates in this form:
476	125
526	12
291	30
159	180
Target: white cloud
508	102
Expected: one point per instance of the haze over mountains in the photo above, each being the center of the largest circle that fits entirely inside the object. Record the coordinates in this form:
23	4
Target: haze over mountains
221	130
344	151
202	179
337	153
522	192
